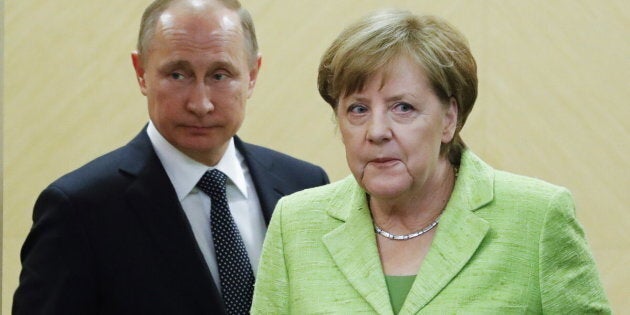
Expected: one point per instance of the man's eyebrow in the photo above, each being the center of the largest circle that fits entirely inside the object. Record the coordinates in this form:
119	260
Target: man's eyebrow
223	64
175	64
184	64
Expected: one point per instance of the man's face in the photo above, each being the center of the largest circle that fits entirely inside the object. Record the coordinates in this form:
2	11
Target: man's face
197	77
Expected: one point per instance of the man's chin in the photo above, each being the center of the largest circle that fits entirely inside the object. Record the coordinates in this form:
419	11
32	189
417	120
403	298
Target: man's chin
204	151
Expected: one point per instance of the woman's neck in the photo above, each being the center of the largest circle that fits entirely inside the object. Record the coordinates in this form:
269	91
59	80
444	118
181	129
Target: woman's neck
419	207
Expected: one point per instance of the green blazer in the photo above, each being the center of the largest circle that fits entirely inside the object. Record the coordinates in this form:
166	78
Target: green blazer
505	244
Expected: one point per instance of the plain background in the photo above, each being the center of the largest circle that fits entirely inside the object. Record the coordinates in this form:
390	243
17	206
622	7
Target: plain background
553	99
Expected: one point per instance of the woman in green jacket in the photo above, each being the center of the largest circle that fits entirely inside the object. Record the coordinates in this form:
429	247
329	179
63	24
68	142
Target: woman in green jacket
423	226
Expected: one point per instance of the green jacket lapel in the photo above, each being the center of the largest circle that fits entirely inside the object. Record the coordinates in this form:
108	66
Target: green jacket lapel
459	233
352	246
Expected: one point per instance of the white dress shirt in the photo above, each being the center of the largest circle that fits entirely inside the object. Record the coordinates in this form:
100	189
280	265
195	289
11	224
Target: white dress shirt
184	174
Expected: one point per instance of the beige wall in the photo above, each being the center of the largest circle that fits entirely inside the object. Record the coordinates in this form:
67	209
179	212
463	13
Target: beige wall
553	99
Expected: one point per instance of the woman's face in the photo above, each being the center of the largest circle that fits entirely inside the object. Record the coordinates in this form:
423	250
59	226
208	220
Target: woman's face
392	131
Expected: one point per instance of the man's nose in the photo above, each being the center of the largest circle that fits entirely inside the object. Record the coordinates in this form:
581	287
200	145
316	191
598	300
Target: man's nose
199	101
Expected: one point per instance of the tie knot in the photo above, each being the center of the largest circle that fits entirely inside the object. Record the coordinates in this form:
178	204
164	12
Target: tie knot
213	183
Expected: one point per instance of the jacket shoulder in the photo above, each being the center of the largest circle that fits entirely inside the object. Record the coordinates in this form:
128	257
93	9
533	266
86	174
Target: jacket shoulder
278	157
524	187
109	171
333	198
287	168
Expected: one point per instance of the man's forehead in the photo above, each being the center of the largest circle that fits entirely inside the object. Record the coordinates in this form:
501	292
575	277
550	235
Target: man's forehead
197	4
218	15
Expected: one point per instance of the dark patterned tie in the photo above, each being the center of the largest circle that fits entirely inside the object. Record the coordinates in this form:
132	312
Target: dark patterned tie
235	271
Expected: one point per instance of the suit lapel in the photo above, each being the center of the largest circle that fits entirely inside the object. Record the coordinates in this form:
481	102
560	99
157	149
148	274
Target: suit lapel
352	246
268	186
153	198
459	233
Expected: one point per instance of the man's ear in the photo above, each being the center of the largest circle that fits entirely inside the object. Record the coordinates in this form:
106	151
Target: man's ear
253	75
138	66
450	121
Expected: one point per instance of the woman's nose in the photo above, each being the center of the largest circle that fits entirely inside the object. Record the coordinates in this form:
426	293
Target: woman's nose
379	129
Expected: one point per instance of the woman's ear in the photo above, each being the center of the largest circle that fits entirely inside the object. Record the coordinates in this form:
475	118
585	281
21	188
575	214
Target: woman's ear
450	121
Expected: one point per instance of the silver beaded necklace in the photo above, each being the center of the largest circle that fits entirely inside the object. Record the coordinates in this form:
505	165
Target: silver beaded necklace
405	237
425	229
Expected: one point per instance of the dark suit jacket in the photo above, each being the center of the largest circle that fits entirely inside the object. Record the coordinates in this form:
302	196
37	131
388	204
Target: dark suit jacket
111	237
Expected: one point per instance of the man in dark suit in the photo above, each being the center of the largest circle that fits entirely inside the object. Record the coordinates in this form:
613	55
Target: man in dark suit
131	232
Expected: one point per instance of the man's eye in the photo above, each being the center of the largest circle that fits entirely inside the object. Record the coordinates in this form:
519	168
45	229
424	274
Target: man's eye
219	76
177	76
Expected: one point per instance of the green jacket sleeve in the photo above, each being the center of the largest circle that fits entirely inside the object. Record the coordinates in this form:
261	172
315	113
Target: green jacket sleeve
569	281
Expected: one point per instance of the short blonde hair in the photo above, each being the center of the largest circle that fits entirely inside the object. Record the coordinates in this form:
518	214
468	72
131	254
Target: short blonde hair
156	8
376	40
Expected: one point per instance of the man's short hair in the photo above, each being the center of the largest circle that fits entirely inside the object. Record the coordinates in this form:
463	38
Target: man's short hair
156	8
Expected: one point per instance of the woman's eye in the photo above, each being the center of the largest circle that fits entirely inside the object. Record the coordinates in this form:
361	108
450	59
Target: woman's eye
357	109
403	107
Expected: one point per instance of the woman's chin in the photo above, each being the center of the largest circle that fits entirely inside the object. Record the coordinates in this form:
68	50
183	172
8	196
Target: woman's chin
386	188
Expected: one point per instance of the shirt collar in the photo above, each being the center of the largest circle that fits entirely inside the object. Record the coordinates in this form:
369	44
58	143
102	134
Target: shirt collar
185	172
